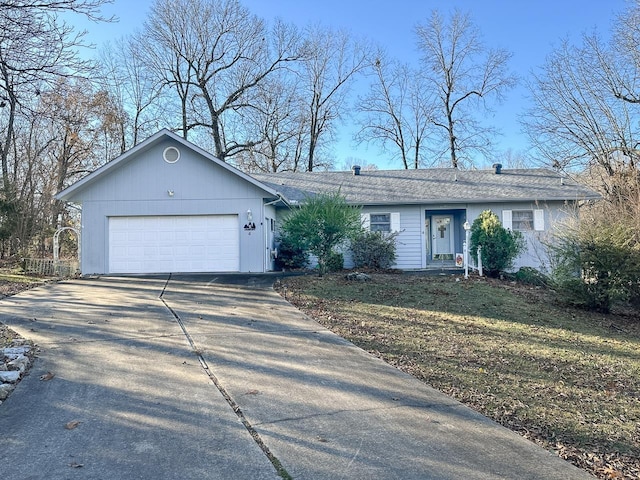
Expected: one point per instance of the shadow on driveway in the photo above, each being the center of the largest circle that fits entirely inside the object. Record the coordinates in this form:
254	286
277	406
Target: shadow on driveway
135	362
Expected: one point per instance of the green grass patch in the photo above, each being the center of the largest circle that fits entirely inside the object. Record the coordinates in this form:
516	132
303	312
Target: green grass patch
12	282
564	378
18	278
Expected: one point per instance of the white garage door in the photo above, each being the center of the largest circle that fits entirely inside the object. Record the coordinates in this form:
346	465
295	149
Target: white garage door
164	244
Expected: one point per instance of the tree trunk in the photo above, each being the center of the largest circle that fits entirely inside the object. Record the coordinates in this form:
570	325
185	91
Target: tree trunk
6	147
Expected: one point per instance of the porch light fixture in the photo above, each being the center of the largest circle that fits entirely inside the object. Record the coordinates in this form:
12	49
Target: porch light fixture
249	216
170	193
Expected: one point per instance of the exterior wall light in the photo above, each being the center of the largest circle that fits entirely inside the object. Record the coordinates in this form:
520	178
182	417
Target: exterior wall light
249	226
170	193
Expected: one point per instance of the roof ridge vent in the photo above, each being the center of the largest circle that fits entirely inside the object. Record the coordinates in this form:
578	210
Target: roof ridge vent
497	168
356	169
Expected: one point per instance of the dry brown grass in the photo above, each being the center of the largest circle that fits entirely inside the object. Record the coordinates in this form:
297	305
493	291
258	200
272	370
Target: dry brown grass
566	379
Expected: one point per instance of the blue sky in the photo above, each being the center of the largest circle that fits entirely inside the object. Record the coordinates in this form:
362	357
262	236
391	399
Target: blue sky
527	28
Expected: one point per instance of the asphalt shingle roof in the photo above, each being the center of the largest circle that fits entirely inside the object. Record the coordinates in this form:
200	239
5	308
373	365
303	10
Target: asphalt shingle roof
436	185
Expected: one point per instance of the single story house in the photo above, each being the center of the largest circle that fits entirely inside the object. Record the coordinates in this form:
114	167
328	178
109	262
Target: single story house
167	205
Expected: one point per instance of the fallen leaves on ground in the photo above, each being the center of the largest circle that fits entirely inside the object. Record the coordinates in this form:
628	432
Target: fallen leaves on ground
72	424
562	378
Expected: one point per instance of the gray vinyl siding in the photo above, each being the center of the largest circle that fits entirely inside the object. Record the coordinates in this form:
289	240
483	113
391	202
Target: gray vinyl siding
535	254
409	248
409	240
140	188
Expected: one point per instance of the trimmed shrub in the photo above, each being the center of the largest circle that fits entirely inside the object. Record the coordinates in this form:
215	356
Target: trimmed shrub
376	250
500	246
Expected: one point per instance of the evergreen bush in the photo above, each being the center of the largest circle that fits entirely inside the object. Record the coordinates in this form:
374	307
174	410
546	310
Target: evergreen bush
291	255
500	246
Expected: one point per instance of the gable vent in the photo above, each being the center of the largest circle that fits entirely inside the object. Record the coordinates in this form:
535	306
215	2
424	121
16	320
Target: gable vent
171	154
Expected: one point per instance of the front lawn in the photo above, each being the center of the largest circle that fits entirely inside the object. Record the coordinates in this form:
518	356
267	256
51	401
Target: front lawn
566	379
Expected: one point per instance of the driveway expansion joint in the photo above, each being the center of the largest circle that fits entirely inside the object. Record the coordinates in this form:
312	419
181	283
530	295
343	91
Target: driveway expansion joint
223	391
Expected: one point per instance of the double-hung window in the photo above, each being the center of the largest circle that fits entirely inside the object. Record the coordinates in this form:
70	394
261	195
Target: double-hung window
381	222
523	220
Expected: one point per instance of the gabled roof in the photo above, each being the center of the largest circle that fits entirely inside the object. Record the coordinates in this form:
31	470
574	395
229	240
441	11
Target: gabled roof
435	185
68	193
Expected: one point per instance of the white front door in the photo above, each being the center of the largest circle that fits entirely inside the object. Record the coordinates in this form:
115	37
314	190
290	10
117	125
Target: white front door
442	237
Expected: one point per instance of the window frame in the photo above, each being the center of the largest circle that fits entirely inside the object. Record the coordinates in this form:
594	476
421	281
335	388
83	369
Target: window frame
380	225
394	222
522	224
537	222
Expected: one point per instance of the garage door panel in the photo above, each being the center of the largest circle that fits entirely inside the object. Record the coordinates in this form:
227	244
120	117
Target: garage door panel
162	244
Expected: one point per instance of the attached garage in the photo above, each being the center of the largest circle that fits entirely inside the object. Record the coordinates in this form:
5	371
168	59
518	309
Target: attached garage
161	244
167	206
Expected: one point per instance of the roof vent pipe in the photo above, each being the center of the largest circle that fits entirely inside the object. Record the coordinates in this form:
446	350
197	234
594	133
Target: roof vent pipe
356	169
498	168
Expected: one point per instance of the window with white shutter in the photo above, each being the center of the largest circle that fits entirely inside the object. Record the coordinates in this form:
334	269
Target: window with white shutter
381	222
523	220
538	220
395	222
506	219
366	220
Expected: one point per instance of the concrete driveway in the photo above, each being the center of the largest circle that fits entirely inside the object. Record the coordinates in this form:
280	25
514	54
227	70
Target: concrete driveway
207	378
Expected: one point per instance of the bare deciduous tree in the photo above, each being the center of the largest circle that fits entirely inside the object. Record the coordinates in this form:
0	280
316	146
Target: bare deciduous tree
576	120
332	61
396	113
36	47
585	116
279	119
134	87
620	64
216	54
65	134
466	76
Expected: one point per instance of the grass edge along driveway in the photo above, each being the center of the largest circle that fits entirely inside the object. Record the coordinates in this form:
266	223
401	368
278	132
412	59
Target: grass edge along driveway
566	379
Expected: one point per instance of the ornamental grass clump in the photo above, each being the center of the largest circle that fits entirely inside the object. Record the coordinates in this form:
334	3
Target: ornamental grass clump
321	225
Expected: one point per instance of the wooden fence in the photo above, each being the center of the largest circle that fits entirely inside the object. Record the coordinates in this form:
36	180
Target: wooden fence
51	268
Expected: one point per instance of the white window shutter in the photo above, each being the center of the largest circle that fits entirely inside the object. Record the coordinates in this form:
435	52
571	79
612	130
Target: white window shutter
395	221
538	220
507	219
366	220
